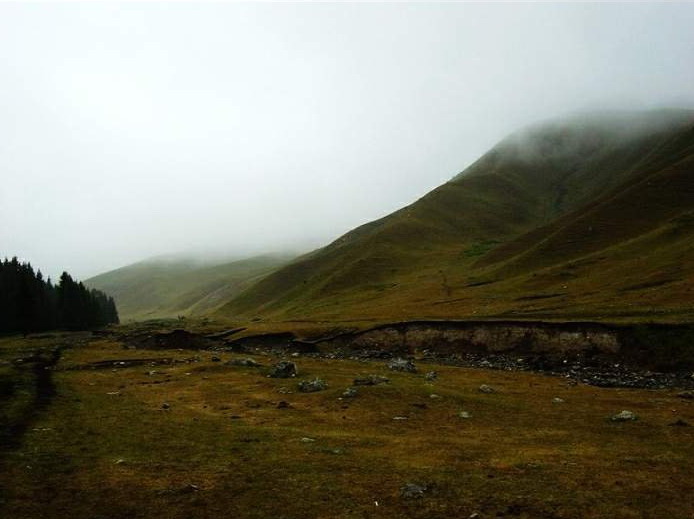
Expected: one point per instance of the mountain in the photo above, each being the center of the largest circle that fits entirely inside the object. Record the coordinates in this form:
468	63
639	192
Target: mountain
160	287
588	216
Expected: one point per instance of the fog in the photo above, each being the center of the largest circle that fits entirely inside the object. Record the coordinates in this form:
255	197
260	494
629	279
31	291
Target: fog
141	129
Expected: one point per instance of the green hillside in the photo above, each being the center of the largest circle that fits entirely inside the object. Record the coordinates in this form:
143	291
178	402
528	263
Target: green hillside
168	288
584	216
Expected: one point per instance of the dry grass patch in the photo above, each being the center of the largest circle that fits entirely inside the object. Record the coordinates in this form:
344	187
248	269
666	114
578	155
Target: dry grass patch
107	448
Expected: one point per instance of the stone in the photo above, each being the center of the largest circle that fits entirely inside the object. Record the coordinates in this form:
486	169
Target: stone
284	369
214	358
370	380
464	414
165	405
311	386
243	362
350	392
557	400
624	416
400	364
431	376
400	418
484	388
307	440
687	395
412	491
679	423
283	404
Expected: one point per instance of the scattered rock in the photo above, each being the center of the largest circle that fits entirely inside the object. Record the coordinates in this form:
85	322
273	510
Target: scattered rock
624	416
243	362
484	388
307	440
350	392
431	376
412	491
370	380
311	386
434	396
285	391
283	404
400	364
557	400
687	395
214	358
284	369
400	418
464	414
165	405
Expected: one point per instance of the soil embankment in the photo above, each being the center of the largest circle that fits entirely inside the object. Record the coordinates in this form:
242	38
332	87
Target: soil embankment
643	355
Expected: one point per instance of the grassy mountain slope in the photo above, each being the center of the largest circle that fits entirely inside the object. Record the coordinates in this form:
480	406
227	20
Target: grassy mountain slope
168	288
506	234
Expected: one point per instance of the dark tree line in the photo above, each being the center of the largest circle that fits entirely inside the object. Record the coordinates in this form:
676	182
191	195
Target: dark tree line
28	303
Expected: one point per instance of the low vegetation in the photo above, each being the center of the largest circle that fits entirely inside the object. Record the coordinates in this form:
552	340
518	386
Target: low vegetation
176	433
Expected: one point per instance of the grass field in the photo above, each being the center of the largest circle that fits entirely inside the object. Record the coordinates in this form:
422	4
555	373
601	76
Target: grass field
104	446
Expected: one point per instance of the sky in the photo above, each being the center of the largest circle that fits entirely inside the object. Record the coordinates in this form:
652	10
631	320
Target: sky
135	130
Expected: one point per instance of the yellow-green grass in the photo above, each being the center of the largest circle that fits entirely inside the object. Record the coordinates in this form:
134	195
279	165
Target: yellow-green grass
569	221
105	447
160	288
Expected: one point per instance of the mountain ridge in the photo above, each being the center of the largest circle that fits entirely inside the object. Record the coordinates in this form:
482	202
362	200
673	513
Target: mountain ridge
402	265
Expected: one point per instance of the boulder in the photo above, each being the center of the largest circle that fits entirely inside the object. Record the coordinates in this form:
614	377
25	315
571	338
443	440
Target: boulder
413	491
624	416
243	362
350	392
431	376
400	364
370	380
284	369
311	386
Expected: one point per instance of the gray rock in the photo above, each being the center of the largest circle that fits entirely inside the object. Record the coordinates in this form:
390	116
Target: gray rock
687	395
350	392
679	423
243	362
165	405
370	380
311	386
413	491
465	415
400	364
431	376
284	369
557	400
484	388
624	416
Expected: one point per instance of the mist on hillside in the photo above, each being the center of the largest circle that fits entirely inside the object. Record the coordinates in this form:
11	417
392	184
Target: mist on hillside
223	131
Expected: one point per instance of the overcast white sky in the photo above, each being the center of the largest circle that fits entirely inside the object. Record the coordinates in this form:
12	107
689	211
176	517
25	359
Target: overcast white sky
138	129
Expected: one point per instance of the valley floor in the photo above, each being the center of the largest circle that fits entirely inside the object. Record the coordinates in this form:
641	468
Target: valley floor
176	434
